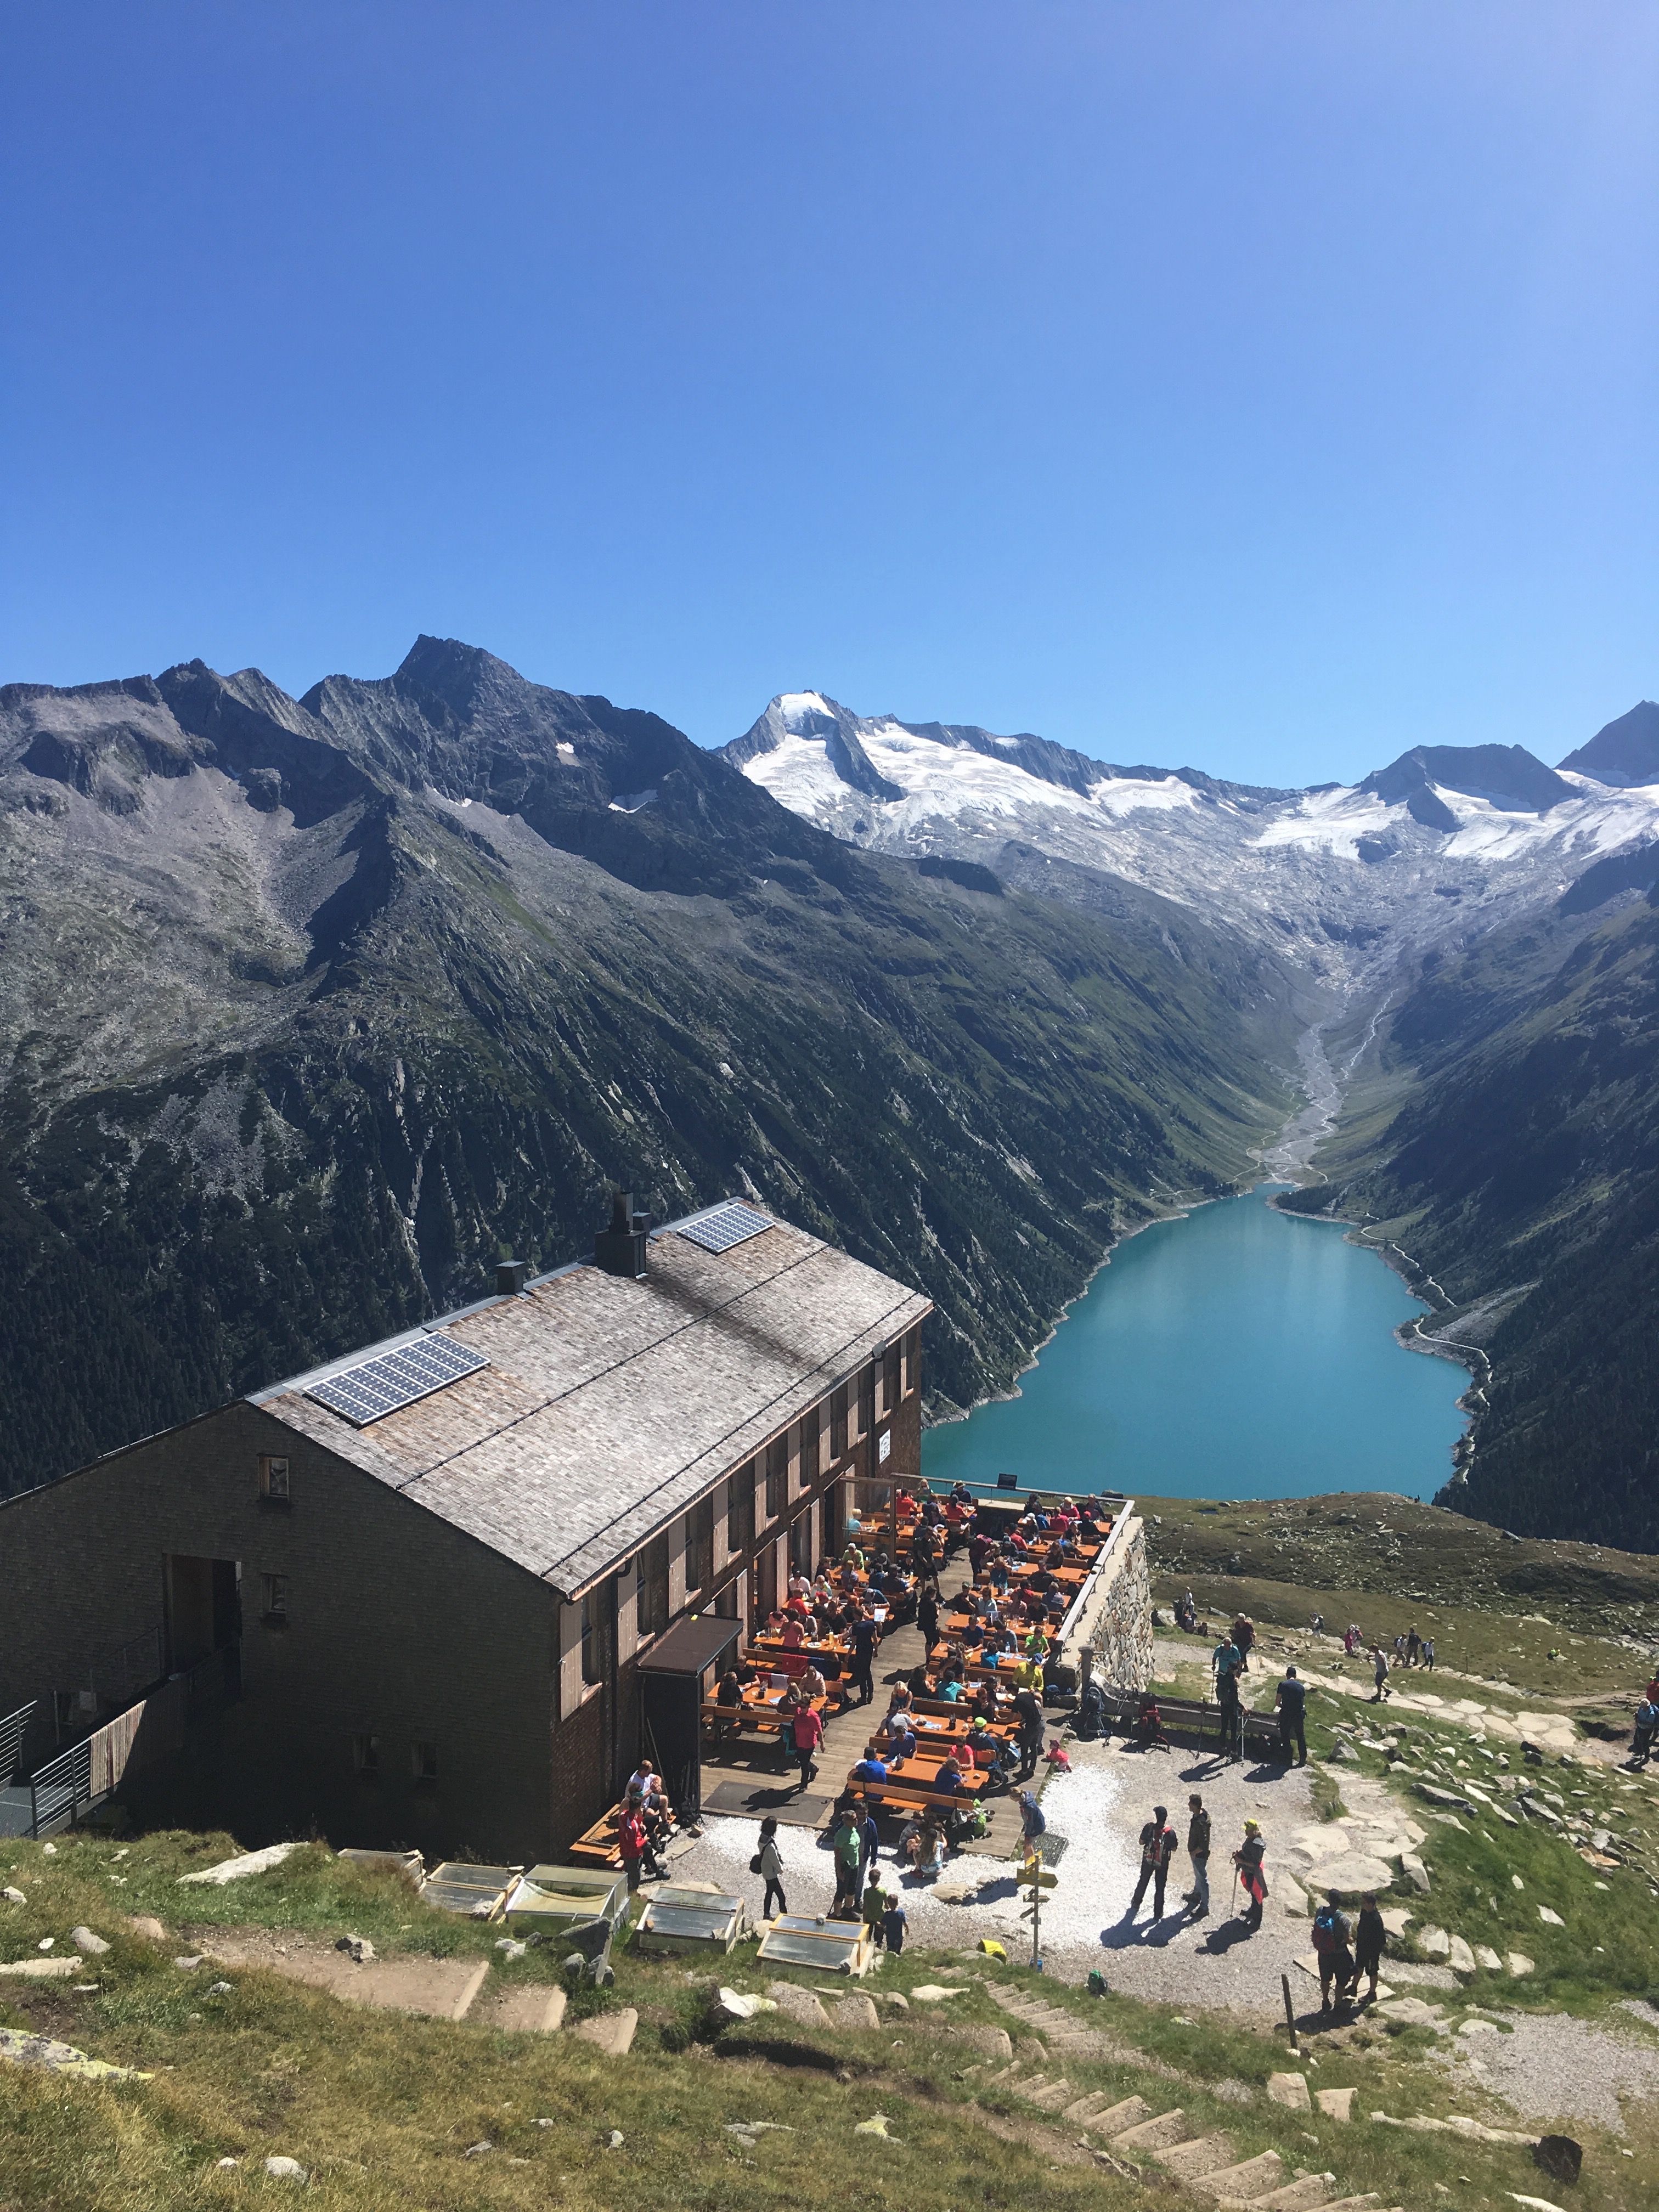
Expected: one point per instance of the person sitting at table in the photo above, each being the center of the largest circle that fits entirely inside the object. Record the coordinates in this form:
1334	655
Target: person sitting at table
896	1584
799	1585
901	1738
947	1783
812	1684
1035	1645
996	1574
793	1634
950	1689
774	1622
985	1604
851	1557
729	1696
872	1768
973	1637
1005	1639
985	1699
920	1682
1057	1554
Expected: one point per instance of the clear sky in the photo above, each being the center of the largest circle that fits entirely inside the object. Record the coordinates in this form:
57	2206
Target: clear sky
1267	387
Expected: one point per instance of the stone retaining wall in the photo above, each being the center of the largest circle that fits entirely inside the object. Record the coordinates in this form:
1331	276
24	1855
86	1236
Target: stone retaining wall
1116	1618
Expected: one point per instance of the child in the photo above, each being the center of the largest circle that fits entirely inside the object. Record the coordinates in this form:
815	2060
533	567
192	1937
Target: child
874	1911
893	1926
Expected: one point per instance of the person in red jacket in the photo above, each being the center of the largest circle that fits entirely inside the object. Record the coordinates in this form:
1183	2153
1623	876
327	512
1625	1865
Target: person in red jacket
809	1735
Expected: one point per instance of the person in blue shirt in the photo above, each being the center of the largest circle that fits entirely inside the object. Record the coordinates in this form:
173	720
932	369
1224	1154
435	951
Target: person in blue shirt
900	1738
871	1767
951	1689
871	1844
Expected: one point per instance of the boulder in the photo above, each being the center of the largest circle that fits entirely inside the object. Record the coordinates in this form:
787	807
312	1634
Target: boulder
1461	1959
856	2011
994	2043
1486	1957
1290	2090
1554	1919
146	1924
798	2004
1415	1872
357	1947
1293	1898
1519	1963
286	2169
84	1940
1435	1942
1336	2104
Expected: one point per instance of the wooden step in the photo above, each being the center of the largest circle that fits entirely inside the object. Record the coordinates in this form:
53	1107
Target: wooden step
1254	2179
1153	2134
1103	2120
1203	2154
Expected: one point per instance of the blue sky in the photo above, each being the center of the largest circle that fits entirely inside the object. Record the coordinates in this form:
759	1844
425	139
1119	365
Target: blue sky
1268	388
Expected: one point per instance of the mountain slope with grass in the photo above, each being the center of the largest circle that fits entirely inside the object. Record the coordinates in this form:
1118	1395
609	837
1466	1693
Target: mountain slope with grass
309	1009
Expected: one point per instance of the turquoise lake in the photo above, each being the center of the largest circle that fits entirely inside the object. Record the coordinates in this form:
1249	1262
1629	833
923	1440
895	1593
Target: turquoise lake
1237	1353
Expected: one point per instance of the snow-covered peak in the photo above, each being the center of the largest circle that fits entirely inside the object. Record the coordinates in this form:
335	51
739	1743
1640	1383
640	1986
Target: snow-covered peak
1344	879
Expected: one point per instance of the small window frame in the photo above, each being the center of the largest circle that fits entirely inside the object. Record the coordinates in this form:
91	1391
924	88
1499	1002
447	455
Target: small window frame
366	1755
276	1469
274	1591
423	1762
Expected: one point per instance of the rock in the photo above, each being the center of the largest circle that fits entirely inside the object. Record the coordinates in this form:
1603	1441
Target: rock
358	1947
1519	1963
286	2169
898	1999
1336	2104
614	2140
1435	1941
1515	1882
736	2006
1415	1872
1559	2156
238	1870
46	1943
994	2043
189	1965
854	2012
1290	2090
14	1896
1438	1796
1412	2011
1533	2204
84	1940
220	1989
877	2125
510	1947
1396	1920
229	2165
1293	1898
1488	1957
40	1970
25	2050
1552	1917
146	1924
931	1993
1477	2027
49	1850
796	2003
1461	1960
613	2031
478	2150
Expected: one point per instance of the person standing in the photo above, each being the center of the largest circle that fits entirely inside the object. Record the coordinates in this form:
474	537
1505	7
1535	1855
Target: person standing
807	1727
1413	1645
769	1861
1224	1663
1380	1672
849	1848
1428	1653
1248	1859
1291	1703
1331	1935
1158	1843
927	1615
1029	1706
1370	1940
1198	1850
863	1652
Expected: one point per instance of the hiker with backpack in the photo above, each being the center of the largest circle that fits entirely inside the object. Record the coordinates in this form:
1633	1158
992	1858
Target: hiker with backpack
1332	1934
1158	1846
1198	1850
1248	1859
1291	1703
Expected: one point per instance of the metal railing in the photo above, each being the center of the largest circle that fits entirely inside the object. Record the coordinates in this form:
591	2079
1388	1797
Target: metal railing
89	1773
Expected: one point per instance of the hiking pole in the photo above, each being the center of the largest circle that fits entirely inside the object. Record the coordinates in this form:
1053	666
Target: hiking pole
1290	2014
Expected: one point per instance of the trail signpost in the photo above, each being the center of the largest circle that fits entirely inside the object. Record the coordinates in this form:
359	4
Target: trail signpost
1034	1879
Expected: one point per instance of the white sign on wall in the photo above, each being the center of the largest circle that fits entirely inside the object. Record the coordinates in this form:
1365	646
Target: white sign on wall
884	1448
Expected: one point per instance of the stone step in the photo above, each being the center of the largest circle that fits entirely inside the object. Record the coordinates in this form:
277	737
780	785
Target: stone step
1003	2080
525	2007
1052	2096
1254	2179
1152	2135
1302	2195
1203	2154
1103	2120
1366	2204
612	2032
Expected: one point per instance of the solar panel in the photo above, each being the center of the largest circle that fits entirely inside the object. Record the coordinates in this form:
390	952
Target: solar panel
377	1387
726	1225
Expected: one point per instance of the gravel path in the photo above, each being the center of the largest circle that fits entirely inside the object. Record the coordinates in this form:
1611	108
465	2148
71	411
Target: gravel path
1098	1809
1556	2068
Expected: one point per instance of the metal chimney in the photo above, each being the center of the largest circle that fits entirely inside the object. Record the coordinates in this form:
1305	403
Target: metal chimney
511	1276
620	1250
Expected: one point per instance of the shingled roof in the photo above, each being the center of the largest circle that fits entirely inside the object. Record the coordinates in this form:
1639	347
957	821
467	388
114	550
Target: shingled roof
610	1406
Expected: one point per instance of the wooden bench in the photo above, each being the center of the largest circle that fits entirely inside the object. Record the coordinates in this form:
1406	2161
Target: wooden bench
601	1846
1185	1718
